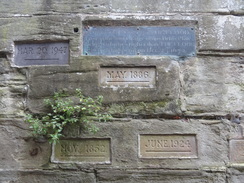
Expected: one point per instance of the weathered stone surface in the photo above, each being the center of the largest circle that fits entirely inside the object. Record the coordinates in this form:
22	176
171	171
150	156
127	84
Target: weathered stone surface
175	6
39	28
44	7
213	33
187	89
26	152
206	88
46	176
221	33
83	73
12	91
236	175
212	141
158	176
213	85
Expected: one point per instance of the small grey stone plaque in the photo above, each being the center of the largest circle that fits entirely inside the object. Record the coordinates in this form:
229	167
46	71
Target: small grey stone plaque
127	77
142	40
51	53
167	146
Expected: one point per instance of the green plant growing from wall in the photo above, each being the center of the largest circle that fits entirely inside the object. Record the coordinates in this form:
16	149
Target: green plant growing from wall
63	111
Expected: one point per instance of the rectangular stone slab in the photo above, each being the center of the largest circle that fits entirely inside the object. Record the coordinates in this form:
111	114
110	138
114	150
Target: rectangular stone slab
237	151
49	53
127	76
142	40
81	151
167	146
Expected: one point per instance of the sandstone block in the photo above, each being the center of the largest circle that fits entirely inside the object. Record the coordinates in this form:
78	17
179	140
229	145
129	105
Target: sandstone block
210	84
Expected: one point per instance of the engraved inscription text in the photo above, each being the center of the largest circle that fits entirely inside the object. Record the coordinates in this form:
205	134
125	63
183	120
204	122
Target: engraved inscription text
52	53
168	146
142	40
82	150
127	76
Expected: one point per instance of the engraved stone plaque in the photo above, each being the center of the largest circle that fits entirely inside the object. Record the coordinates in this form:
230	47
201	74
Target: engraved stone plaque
167	146
51	53
142	40
81	151
127	76
237	151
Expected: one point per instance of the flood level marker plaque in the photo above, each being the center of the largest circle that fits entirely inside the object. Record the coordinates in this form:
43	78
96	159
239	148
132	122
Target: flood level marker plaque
81	151
142	40
49	53
127	77
167	146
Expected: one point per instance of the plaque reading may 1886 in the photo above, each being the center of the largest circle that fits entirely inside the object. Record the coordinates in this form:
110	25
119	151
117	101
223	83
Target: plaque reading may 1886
168	146
51	53
127	76
142	40
81	151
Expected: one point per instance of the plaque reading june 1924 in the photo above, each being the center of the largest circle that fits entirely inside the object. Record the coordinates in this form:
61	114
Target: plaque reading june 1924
51	53
127	76
81	151
142	40
168	146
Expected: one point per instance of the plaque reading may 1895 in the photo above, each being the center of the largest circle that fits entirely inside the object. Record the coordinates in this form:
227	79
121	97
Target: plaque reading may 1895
142	40
127	76
168	146
51	53
81	151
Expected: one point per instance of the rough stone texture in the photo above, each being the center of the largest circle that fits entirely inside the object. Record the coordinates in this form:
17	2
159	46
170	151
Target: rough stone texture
39	28
216	33
45	7
175	6
212	141
83	74
192	92
20	151
221	33
158	176
29	8
236	175
36	176
213	85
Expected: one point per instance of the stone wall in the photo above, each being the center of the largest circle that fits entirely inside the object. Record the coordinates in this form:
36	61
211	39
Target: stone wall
193	106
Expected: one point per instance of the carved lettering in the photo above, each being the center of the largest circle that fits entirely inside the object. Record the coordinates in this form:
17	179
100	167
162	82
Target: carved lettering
27	54
168	146
155	143
82	150
127	76
144	40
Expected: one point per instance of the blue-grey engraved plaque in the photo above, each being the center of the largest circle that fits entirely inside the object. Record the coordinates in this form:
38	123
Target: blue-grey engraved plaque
142	40
50	53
